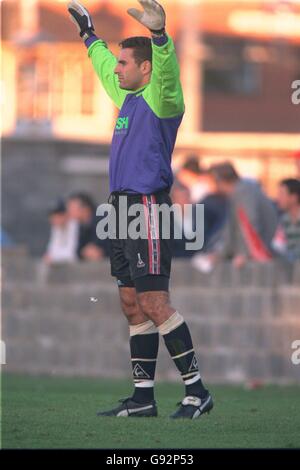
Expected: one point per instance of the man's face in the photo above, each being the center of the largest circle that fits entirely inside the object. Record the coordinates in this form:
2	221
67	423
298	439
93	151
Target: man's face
130	74
78	211
284	198
75	209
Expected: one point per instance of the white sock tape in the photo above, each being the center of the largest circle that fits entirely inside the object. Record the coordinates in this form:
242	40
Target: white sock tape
144	384
169	325
145	328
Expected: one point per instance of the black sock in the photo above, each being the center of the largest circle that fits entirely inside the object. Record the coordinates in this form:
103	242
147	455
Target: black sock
143	395
180	346
196	389
144	349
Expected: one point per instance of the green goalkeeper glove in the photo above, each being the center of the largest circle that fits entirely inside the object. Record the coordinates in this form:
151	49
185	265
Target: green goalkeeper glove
81	17
153	16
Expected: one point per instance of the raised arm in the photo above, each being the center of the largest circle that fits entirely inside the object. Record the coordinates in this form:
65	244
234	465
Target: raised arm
164	93
104	63
103	60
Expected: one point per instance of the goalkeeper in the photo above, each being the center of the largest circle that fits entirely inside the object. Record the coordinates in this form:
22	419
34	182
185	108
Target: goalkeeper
144	84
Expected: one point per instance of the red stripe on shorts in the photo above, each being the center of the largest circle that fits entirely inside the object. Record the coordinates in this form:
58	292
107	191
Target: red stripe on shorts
156	224
150	242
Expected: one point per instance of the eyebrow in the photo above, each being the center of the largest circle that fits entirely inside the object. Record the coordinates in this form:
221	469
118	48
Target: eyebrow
123	62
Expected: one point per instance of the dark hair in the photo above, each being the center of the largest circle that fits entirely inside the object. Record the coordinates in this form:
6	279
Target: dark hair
292	185
85	200
142	48
192	164
224	172
58	207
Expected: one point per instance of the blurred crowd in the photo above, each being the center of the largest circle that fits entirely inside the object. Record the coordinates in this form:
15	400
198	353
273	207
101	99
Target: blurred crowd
73	231
241	223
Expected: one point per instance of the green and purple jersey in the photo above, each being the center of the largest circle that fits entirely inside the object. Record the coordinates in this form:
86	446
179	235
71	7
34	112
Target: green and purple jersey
148	121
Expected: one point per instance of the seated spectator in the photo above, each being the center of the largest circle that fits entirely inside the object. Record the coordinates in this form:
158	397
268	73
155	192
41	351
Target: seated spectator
196	178
215	215
81	207
215	212
181	196
252	218
63	239
287	238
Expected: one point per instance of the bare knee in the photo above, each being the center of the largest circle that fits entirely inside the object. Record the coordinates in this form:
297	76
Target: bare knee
130	306
155	305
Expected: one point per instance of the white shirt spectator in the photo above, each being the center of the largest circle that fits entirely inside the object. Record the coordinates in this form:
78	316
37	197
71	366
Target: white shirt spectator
63	242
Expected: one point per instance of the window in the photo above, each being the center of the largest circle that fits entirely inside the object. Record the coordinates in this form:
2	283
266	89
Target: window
52	81
228	71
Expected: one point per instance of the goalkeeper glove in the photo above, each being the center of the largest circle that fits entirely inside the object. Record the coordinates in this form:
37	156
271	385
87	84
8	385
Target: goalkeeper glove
81	17
153	16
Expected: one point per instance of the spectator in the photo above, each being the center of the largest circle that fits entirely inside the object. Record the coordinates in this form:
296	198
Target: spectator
195	178
289	227
81	207
252	217
184	223
63	236
215	216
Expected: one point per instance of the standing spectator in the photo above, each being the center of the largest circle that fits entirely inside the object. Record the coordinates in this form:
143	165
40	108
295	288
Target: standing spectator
63	239
252	218
82	208
289	201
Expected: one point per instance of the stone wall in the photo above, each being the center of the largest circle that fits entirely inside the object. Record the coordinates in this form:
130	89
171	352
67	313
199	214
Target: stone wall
67	320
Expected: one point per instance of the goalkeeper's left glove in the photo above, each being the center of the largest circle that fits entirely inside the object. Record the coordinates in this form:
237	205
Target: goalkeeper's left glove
153	16
81	17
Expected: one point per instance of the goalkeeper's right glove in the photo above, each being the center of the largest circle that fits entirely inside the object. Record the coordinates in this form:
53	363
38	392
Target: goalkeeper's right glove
81	17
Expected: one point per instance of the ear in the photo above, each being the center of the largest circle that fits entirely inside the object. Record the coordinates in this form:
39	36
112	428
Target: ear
146	67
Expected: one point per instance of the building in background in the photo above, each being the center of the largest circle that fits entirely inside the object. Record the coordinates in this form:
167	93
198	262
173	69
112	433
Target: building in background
238	62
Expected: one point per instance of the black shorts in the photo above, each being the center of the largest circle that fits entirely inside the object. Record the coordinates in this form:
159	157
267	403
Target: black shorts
142	263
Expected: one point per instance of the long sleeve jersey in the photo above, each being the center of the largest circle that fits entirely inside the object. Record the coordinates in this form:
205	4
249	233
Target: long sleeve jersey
148	120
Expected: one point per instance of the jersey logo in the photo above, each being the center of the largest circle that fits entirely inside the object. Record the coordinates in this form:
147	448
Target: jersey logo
122	123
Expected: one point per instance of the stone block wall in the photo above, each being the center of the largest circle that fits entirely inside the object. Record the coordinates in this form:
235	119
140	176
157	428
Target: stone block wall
66	320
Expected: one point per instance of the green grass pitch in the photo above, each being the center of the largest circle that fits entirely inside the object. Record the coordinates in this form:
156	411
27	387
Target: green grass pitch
54	412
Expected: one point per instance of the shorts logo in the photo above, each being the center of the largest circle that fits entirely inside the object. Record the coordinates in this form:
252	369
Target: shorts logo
194	365
140	263
138	371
